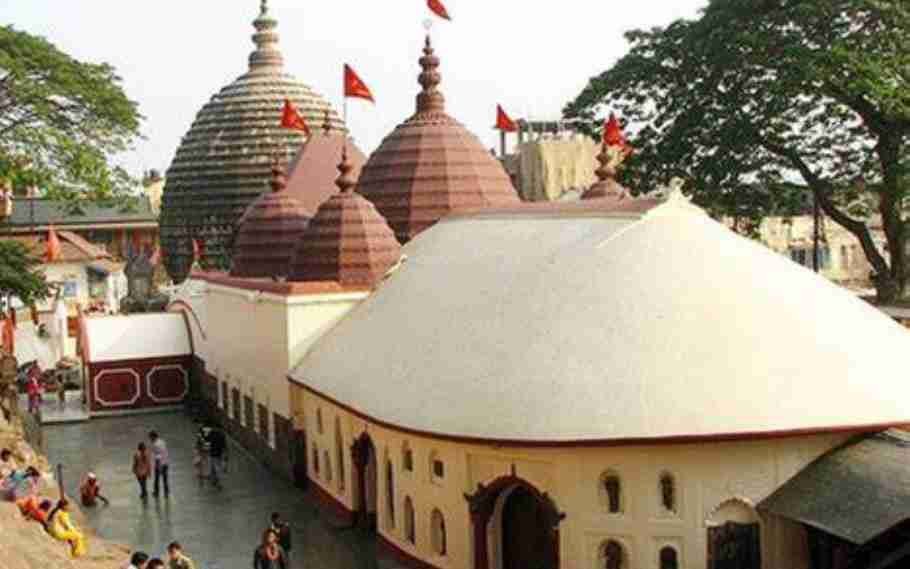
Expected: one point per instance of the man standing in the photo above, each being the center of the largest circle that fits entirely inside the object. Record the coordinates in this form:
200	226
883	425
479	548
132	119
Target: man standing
283	530
177	559
217	443
160	458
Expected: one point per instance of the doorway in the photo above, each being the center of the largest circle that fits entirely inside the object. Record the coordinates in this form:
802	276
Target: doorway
363	454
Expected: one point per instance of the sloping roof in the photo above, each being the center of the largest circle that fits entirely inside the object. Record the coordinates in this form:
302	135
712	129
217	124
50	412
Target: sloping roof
138	336
311	176
73	248
594	327
855	492
40	213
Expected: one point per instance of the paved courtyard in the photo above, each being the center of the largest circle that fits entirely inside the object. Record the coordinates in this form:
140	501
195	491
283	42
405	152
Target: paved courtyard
219	529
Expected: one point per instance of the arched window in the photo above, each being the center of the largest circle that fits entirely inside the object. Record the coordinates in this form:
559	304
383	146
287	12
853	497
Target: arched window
734	536
438	532
407	457
437	467
319	421
409	520
668	492
328	466
613	555
315	459
390	492
339	454
668	558
612	489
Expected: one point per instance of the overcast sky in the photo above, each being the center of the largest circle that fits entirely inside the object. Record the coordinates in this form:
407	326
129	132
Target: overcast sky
532	56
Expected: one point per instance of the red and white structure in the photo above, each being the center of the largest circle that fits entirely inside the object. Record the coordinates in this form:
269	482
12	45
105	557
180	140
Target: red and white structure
135	363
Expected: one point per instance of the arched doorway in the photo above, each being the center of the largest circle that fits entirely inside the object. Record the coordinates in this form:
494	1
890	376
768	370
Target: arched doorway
363	454
734	536
515	526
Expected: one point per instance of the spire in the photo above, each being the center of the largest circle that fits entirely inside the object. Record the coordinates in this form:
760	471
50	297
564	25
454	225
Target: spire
607	170
430	99
279	180
345	181
267	55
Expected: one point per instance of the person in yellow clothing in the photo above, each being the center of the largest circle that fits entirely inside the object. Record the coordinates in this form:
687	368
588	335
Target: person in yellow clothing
62	528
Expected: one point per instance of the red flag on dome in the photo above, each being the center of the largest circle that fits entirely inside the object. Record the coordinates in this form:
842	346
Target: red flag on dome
354	86
54	249
291	119
439	9
504	122
613	135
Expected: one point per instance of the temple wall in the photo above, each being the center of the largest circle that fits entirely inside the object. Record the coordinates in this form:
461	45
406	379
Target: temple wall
707	476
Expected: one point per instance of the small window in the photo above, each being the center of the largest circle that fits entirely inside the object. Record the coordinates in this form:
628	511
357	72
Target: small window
668	492
438	528
319	428
613	555
613	490
437	468
390	493
339	454
668	558
224	395
407	458
409	520
315	459
328	466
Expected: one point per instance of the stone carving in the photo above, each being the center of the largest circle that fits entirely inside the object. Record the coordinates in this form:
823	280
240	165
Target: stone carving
143	295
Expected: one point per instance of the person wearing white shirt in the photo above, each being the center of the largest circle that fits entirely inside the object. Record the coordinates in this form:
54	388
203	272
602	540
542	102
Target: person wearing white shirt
160	460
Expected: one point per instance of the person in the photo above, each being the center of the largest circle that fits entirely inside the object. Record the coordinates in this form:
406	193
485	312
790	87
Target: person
7	463
90	491
160	458
34	509
217	454
155	563
269	555
283	530
62	528
33	387
177	559
138	560
201	455
20	484
142	467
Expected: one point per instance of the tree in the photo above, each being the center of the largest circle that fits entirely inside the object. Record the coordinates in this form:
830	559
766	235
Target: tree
760	103
61	120
19	275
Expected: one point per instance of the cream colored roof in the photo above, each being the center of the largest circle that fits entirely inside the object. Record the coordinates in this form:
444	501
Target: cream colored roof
138	336
531	328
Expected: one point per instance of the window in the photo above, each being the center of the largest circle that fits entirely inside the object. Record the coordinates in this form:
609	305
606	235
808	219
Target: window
224	395
315	459
319	421
328	466
668	492
668	559
390	492
613	555
409	520
613	490
407	458
339	453
70	289
438	532
437	468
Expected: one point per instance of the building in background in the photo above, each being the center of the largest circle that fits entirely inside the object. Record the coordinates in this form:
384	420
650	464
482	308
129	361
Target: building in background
153	188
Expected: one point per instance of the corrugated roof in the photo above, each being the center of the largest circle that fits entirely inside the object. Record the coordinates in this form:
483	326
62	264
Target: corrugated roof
855	492
73	248
40	212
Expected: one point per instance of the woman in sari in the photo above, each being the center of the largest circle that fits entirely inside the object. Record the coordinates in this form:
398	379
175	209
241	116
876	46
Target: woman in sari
62	528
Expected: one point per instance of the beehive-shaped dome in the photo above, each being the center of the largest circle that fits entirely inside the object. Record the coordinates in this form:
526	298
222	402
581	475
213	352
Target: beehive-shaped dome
269	231
222	163
431	165
613	151
348	241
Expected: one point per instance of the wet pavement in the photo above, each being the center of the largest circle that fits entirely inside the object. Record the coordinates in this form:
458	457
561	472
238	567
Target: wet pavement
218	529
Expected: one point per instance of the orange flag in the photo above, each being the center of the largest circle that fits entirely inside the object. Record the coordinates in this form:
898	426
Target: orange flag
354	86
613	135
53	246
439	9
504	122
9	336
291	119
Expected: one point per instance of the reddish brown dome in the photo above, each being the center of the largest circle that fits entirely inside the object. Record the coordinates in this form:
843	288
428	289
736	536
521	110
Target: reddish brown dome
268	232
431	165
348	241
606	187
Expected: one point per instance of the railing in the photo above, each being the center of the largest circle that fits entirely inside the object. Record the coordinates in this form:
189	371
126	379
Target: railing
32	431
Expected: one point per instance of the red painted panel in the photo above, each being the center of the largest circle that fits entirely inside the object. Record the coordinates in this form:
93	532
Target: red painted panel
130	385
168	383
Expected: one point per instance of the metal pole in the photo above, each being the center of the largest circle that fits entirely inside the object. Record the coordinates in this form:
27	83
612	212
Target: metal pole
815	232
502	143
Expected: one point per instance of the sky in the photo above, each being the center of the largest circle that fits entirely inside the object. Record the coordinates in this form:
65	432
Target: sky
531	56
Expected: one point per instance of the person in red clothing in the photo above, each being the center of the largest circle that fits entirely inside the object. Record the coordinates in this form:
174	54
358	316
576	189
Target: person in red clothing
90	491
34	389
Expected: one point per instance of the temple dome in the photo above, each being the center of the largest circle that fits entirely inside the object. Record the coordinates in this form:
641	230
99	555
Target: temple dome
223	161
348	241
431	165
269	231
584	327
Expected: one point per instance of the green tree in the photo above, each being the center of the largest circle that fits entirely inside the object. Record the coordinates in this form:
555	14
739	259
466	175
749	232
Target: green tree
761	103
61	120
19	273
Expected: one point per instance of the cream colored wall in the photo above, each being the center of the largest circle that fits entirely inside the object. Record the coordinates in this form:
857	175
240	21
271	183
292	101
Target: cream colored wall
707	476
60	272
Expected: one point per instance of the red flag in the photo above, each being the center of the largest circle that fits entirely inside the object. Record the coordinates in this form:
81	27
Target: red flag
197	250
354	86
439	9
613	135
291	119
53	246
504	122
9	336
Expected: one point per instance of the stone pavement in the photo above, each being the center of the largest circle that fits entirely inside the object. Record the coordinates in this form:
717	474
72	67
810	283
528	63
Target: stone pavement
219	529
72	411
